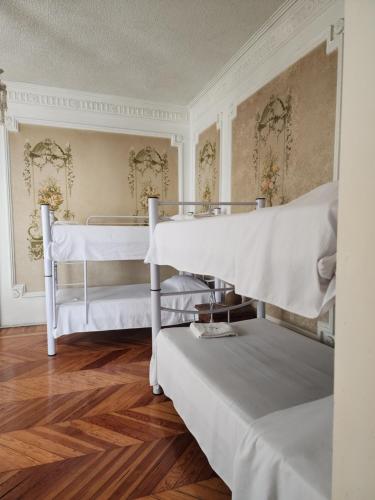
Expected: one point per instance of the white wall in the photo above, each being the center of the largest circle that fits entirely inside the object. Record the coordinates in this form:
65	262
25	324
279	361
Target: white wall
34	104
354	413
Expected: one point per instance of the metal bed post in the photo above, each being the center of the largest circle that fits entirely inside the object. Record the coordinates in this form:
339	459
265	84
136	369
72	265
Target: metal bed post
153	211
261	307
48	277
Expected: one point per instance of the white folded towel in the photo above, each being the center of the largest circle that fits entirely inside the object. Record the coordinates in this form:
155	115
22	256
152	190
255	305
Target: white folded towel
212	330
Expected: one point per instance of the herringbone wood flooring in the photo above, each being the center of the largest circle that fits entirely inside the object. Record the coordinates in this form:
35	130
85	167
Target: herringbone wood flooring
84	424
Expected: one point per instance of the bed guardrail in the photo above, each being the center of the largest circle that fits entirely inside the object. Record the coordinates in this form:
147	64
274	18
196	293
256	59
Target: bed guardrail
156	294
143	218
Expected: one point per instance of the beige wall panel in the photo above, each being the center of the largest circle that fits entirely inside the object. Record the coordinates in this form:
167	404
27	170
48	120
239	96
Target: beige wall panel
100	166
283	139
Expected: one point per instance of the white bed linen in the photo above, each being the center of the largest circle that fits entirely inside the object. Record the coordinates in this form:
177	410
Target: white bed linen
220	386
287	455
126	306
88	242
270	254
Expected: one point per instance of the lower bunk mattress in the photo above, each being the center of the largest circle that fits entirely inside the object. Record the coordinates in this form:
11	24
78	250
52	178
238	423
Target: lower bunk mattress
224	387
124	307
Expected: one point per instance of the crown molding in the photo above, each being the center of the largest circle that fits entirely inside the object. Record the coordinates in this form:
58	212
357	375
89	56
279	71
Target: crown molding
77	101
286	22
11	123
177	140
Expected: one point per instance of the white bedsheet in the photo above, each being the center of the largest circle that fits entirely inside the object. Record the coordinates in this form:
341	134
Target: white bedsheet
126	306
220	386
270	254
287	455
88	242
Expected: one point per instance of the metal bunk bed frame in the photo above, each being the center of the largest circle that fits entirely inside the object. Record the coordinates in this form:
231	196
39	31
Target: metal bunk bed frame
156	294
50	269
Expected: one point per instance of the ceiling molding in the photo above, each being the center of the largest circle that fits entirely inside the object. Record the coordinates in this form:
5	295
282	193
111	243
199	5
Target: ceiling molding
286	22
71	100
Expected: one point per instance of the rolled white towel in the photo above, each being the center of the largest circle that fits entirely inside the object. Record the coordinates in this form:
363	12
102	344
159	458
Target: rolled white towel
212	330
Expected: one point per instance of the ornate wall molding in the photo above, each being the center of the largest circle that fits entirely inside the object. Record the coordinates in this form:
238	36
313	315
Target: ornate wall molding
11	123
219	120
18	94
18	290
335	35
289	20
177	140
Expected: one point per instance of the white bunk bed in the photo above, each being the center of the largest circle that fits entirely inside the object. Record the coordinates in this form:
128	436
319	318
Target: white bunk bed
248	399
83	308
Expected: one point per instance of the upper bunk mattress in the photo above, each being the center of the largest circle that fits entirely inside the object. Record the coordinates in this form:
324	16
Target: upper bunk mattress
74	242
220	386
275	254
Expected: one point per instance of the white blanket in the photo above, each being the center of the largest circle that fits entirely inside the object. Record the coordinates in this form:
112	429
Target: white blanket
88	242
123	307
287	455
270	254
221	386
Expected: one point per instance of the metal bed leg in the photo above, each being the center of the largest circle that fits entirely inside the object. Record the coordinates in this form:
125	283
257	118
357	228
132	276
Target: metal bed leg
48	277
153	209
261	310
85	291
157	390
261	307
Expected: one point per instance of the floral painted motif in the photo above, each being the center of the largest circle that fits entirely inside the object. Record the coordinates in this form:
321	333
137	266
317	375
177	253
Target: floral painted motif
273	146
50	194
43	162
148	176
270	175
207	172
147	191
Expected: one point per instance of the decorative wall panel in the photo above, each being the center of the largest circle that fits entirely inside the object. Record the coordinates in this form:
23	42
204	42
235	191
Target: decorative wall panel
207	169
81	173
283	136
148	176
48	177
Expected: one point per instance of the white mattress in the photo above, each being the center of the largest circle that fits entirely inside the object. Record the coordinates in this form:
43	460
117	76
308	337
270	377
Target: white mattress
287	455
271	254
123	307
72	242
220	386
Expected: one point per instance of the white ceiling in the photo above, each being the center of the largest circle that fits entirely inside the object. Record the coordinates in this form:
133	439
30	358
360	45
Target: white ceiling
157	50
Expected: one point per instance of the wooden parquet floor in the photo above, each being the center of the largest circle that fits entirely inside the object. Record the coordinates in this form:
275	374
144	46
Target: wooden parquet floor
84	424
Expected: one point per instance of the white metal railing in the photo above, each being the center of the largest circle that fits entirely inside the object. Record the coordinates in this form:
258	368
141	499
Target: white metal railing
144	219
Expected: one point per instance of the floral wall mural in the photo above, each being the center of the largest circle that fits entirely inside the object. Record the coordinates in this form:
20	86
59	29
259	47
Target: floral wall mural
148	176
207	165
273	143
81	173
283	138
48	177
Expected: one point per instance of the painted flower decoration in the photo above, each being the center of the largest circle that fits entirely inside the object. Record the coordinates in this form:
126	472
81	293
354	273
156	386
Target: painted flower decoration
271	173
147	191
50	194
